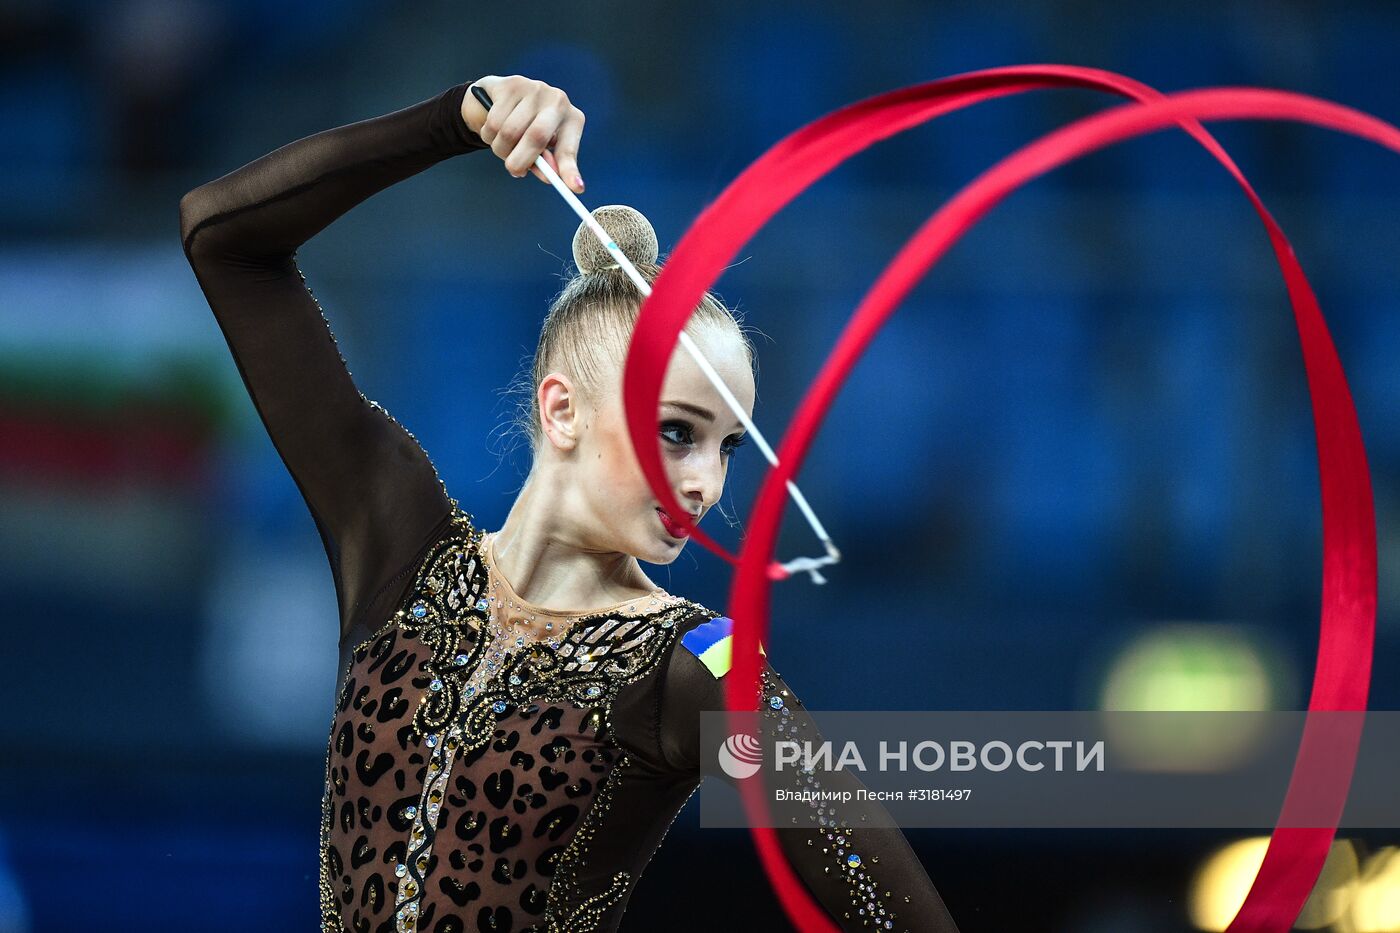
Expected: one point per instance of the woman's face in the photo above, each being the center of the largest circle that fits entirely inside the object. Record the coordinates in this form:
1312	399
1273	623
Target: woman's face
698	434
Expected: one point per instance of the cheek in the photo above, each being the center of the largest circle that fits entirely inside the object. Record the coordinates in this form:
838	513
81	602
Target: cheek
616	475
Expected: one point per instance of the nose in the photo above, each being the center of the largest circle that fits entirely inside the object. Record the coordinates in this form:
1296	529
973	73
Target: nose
701	480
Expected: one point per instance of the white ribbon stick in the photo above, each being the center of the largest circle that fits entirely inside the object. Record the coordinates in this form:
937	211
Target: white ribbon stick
796	565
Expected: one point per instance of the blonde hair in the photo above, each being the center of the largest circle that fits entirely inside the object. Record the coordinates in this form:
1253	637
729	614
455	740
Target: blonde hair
589	324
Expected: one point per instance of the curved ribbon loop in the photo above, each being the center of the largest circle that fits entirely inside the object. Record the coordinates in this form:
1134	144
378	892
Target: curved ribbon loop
1342	675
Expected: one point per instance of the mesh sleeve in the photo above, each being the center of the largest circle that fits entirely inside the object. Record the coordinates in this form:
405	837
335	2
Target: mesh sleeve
866	877
373	492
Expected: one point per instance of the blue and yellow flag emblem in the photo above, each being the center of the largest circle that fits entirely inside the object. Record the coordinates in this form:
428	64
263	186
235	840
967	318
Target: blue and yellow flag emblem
712	642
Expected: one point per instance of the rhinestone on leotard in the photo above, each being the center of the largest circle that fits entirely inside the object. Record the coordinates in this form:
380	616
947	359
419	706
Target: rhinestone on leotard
482	663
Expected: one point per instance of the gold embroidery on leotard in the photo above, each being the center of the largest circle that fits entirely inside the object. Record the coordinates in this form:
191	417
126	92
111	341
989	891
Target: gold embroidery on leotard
480	671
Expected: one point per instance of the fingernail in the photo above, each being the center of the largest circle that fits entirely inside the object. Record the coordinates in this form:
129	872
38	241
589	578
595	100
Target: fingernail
578	182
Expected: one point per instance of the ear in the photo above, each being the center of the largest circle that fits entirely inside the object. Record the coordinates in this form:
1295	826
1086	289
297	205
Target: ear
560	411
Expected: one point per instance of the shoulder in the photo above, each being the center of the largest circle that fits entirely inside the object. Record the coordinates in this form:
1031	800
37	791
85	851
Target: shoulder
458	533
708	640
696	681
455	545
448	576
695	676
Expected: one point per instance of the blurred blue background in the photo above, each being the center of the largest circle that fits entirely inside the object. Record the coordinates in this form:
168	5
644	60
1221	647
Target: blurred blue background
1080	451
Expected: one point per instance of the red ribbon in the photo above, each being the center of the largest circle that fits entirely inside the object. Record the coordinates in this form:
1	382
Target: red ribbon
1341	679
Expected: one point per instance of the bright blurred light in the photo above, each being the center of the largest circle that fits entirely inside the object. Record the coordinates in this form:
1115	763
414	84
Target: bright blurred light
1190	666
1375	908
1186	667
1335	888
1221	883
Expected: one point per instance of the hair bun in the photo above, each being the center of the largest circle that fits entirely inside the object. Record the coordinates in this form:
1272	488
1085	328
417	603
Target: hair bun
629	229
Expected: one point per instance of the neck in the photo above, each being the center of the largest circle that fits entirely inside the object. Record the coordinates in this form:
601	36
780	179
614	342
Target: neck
548	562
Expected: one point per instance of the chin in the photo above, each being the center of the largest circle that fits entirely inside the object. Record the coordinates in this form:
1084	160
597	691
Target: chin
662	550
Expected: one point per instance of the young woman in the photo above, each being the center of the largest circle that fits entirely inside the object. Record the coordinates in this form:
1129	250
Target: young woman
517	712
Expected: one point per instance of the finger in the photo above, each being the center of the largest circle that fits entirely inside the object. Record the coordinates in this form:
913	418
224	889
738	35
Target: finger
472	111
519	134
496	120
566	149
548	157
533	140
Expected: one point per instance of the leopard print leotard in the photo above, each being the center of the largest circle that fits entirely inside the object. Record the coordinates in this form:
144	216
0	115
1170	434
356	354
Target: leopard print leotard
476	779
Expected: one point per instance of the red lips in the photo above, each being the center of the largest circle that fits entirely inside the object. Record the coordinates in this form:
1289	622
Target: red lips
671	529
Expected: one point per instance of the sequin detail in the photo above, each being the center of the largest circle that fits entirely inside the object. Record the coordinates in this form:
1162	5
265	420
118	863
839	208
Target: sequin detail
841	844
570	908
479	672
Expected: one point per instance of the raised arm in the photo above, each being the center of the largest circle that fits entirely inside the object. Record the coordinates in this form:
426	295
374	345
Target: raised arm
371	489
885	885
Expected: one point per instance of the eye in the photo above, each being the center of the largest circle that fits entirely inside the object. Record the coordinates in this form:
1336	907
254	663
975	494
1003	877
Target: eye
681	433
679	427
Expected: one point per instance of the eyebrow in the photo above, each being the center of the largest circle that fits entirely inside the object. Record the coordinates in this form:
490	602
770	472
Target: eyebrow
695	410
